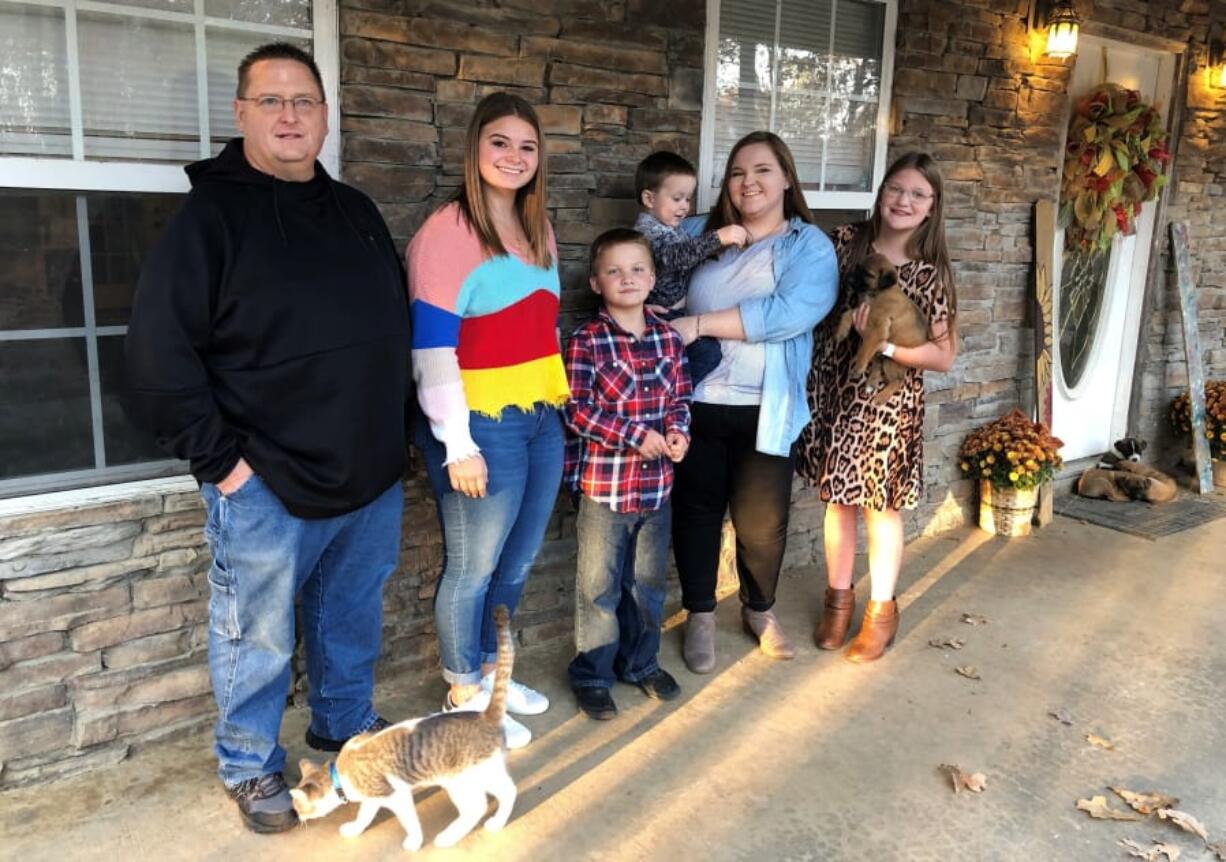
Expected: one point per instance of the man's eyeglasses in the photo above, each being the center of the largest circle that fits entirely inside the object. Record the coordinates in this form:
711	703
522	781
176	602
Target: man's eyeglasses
896	191
276	104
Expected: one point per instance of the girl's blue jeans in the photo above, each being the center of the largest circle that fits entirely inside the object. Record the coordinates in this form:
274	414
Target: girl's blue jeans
490	542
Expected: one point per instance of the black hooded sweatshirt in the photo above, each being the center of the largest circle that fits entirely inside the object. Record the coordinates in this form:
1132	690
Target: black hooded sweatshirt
271	323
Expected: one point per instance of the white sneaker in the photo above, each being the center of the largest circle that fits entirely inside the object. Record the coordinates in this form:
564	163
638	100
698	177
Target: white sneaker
521	700
517	736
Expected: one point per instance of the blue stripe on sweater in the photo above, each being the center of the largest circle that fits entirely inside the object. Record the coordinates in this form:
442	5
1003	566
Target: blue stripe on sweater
433	326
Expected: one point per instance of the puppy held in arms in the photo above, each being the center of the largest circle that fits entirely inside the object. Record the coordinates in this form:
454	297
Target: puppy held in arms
462	752
892	317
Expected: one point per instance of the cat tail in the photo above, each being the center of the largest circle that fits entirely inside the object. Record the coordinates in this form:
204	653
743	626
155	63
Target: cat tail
497	707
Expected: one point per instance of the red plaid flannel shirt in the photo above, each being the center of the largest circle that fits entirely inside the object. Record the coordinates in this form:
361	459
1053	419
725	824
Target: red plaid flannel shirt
621	387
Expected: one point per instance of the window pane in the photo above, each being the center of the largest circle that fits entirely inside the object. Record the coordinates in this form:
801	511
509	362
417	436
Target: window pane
126	442
851	138
802	125
284	13
45	425
804	43
856	65
225	49
742	77
138	88
122	228
40	279
810	71
34	113
188	6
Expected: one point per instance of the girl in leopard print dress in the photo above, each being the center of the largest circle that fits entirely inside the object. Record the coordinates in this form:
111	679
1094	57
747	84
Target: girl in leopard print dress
867	459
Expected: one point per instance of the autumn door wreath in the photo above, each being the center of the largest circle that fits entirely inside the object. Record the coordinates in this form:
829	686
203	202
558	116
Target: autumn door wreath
1114	162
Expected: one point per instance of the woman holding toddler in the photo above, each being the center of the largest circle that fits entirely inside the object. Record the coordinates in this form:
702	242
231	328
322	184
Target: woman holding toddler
762	302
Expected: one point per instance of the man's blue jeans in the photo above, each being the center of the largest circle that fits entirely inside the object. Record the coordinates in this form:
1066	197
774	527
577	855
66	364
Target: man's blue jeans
262	558
619	593
490	542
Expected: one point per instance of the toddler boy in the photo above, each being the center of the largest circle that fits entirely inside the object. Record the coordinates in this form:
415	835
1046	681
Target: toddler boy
665	184
629	415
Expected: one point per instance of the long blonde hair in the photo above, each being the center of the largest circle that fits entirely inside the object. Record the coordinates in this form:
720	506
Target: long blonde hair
927	242
529	200
724	213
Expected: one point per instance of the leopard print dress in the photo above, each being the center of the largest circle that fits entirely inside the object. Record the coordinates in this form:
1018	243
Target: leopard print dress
856	452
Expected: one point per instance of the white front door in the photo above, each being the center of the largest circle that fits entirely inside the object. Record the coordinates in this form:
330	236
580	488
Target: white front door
1097	301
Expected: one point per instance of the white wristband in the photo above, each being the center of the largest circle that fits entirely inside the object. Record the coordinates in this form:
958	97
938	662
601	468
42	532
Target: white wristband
888	350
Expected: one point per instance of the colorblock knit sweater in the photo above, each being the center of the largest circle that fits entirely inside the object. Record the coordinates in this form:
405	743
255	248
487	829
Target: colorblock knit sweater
484	330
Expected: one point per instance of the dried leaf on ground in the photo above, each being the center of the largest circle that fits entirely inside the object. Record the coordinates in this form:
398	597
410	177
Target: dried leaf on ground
947	643
974	620
1100	741
1218	850
1097	807
1151	854
1184	821
1146	803
1061	715
974	781
969	671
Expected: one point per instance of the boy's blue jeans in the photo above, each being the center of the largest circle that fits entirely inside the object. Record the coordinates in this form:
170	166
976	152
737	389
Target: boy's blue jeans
619	594
263	557
490	542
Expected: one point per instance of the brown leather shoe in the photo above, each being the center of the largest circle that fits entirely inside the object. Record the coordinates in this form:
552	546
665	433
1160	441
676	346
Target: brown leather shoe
876	633
832	628
764	627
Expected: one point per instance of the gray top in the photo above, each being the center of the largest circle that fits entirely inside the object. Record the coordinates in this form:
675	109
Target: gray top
726	282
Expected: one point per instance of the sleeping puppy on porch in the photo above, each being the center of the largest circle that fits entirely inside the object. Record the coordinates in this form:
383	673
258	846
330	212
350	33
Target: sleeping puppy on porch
892	317
1120	476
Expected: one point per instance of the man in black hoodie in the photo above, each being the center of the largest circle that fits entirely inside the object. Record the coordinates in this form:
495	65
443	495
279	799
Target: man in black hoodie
269	348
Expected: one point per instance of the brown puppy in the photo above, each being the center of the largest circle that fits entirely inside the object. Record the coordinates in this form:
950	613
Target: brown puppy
1129	480
892	317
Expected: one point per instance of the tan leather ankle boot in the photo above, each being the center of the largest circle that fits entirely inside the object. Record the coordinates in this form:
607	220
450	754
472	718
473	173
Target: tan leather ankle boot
876	633
832	628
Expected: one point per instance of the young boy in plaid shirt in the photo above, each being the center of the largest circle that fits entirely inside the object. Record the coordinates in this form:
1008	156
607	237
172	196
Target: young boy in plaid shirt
629	414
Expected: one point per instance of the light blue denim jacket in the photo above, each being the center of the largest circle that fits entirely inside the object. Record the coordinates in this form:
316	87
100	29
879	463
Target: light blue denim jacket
806	286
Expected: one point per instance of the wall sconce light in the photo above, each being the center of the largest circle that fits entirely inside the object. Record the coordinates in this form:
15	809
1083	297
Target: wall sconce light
1062	23
1217	63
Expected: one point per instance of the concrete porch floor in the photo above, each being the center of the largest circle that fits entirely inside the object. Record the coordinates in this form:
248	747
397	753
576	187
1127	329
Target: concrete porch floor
814	759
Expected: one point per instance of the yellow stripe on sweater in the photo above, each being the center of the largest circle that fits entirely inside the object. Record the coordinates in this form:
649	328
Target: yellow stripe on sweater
489	390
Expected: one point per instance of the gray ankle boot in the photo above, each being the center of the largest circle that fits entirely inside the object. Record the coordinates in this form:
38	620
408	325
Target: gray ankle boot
764	626
699	649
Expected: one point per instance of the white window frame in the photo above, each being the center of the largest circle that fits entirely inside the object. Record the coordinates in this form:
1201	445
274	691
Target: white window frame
82	175
77	174
818	200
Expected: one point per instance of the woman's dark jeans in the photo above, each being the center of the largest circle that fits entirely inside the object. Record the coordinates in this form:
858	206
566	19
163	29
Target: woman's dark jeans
724	471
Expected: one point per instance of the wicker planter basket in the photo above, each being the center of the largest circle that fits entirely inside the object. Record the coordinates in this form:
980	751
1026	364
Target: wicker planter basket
1006	511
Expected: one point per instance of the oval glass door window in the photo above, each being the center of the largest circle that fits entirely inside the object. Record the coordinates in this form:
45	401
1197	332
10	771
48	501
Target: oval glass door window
1083	283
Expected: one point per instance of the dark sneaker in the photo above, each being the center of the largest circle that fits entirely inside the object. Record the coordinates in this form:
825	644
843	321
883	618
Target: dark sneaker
265	803
659	684
596	702
323	743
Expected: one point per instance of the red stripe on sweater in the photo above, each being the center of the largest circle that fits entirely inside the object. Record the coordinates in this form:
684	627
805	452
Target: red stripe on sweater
519	333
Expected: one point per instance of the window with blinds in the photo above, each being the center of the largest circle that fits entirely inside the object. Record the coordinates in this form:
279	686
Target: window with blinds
143	81
812	72
101	103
